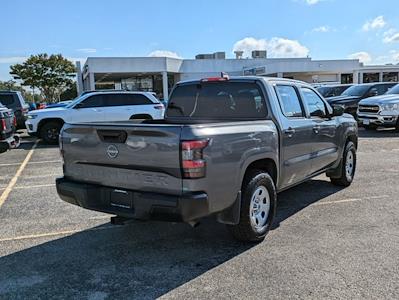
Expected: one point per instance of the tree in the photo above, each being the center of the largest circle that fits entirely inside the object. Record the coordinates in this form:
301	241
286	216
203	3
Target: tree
51	74
70	93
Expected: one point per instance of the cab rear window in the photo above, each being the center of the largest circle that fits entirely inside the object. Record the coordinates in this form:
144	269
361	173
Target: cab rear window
217	100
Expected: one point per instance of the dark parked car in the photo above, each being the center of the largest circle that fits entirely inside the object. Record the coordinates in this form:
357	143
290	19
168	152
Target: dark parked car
15	101
351	97
333	90
225	148
8	138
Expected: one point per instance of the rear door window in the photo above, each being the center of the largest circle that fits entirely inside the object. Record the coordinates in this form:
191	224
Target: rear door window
126	99
217	100
289	101
6	100
93	101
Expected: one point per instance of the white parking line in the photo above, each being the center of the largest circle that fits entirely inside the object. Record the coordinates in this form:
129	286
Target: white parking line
337	201
30	186
48	234
13	181
32	162
34	186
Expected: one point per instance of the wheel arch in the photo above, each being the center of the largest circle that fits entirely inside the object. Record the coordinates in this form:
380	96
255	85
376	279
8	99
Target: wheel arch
267	164
141	117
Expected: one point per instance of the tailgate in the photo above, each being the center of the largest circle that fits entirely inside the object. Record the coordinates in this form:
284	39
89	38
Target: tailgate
6	122
135	157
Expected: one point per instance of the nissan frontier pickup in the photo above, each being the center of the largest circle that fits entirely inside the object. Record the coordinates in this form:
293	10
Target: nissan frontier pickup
226	148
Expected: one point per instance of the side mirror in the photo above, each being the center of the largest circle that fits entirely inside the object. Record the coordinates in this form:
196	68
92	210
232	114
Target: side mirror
319	113
79	105
373	93
338	110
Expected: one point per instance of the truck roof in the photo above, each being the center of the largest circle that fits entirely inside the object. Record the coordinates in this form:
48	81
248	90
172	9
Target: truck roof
267	79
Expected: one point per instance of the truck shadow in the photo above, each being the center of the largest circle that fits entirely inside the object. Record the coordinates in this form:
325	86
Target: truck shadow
379	133
143	260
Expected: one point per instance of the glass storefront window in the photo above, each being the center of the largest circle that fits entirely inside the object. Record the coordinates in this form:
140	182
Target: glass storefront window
390	77
149	83
346	78
371	77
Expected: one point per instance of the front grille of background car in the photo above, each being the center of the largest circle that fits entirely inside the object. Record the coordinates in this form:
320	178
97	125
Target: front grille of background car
369	109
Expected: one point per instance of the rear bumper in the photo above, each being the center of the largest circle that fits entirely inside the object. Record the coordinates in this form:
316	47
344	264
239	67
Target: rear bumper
9	143
138	205
380	120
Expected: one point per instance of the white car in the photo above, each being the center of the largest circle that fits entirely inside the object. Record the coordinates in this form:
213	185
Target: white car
94	107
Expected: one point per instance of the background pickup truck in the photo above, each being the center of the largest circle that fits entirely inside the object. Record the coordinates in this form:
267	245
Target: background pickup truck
8	123
380	110
225	148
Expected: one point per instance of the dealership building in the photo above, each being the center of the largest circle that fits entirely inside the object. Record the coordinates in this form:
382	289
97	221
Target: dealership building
159	74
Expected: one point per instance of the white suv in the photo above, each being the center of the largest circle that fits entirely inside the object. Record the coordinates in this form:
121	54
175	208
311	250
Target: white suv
94	107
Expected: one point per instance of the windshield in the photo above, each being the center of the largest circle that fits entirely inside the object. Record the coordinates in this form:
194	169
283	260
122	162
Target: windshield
356	90
74	101
217	100
324	90
393	91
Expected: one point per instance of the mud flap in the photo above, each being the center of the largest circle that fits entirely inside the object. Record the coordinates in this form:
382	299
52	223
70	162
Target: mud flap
231	215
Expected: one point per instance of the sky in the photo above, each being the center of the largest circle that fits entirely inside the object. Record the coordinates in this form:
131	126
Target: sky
322	29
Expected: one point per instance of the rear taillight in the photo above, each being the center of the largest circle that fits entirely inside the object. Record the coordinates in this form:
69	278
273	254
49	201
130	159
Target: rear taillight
3	124
61	145
192	158
14	121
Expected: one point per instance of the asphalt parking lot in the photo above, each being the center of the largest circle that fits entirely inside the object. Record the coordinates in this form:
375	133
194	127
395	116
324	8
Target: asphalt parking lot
327	242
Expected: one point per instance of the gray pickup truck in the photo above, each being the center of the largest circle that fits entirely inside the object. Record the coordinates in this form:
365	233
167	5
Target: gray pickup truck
226	147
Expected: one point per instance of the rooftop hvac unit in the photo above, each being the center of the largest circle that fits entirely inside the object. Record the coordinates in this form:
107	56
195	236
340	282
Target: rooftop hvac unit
239	54
219	55
259	54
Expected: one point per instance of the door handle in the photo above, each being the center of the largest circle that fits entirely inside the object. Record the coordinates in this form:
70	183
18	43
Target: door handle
289	131
316	129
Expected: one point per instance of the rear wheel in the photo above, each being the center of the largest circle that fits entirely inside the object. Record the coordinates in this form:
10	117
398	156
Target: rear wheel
50	132
258	207
348	168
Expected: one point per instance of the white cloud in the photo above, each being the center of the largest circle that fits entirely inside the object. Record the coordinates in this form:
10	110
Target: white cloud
164	53
12	59
87	50
276	47
322	29
376	23
390	36
362	56
391	58
312	2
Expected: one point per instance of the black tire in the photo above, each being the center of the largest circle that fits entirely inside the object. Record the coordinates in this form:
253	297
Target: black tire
370	127
397	126
346	178
245	230
50	131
